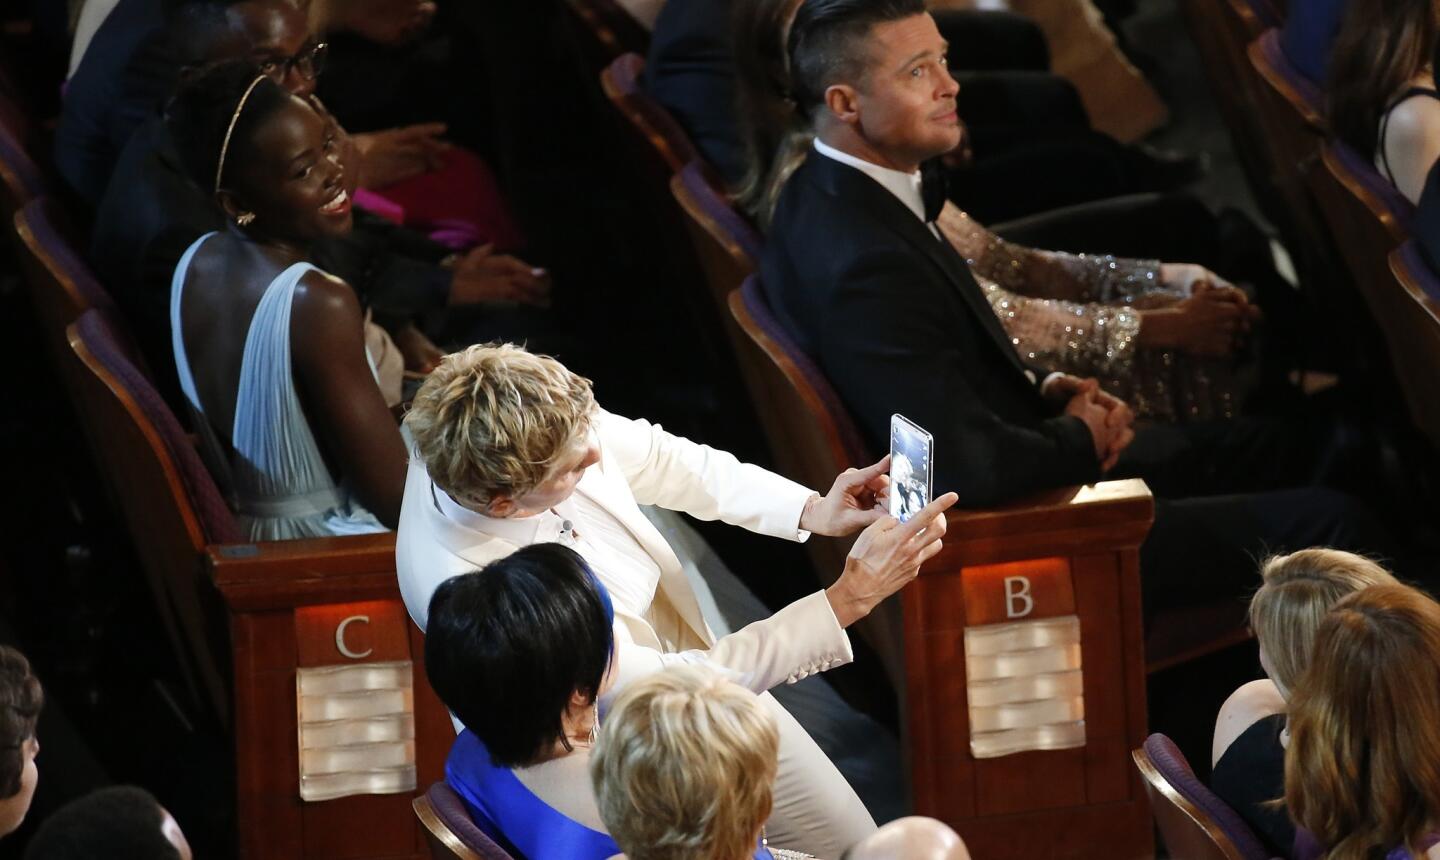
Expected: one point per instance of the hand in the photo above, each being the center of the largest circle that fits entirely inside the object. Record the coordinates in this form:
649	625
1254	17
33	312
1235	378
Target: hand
886	556
483	276
1210	322
1183	277
397	154
420	353
854	501
1108	418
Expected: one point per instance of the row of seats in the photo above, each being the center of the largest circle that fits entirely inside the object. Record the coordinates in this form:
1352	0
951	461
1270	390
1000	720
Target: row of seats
813	442
1347	226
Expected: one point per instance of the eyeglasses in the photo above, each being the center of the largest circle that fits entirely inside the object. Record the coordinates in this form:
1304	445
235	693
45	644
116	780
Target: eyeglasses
309	62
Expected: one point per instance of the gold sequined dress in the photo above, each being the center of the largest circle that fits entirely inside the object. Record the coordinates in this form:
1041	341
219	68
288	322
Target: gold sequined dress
1079	313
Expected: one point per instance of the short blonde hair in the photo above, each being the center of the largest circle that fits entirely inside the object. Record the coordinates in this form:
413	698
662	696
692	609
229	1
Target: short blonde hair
685	766
494	418
1297	591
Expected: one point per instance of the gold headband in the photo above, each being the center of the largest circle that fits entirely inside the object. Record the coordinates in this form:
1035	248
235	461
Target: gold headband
225	146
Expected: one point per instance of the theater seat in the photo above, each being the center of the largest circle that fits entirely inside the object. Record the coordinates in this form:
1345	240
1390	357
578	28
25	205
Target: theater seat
20	179
1083	541
1194	823
606	31
62	286
1290	109
727	246
1418	296
451	832
247	619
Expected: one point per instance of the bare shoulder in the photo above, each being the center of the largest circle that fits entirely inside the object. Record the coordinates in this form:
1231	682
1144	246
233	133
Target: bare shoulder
1415	118
1248	704
319	293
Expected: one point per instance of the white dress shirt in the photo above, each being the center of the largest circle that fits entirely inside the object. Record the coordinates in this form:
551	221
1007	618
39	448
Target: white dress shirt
905	186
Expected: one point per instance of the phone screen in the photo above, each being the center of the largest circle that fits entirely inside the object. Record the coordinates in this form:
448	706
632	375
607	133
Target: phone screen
911	478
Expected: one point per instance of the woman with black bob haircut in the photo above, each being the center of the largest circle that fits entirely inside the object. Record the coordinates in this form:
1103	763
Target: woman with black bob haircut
271	352
520	652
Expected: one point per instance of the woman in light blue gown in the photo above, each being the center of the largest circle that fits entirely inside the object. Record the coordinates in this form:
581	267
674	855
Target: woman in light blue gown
520	652
271	351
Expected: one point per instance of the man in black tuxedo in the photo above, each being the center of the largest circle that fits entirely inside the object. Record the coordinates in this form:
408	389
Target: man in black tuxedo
856	270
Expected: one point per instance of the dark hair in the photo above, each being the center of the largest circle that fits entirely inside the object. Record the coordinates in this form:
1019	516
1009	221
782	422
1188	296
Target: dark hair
1381	46
201	112
507	646
201	32
783	80
20	701
117	823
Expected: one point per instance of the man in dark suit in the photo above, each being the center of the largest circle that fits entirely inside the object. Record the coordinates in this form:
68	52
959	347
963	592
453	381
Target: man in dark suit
1023	120
857	271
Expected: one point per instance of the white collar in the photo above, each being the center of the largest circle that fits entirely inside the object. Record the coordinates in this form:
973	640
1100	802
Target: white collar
544	527
905	186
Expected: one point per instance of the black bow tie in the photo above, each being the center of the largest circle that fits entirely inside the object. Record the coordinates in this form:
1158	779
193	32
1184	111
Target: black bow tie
932	188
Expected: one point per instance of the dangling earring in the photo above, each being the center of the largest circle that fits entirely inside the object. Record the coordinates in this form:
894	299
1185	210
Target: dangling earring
595	727
245	219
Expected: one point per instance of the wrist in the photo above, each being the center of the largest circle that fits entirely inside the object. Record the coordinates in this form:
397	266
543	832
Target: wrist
1158	328
847	607
808	515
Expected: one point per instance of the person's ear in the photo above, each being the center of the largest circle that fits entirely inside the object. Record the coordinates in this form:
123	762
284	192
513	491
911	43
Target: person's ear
233	208
501	505
843	102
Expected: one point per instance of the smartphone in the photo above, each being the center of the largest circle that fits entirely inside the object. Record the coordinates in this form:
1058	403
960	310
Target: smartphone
912	481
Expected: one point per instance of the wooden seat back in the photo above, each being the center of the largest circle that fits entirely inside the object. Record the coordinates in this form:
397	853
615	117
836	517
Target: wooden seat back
606	31
1418	333
1291	113
1370	219
1194	823
726	245
62	286
171	505
452	833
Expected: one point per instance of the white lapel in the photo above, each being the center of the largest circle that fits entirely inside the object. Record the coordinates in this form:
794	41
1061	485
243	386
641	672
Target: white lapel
605	485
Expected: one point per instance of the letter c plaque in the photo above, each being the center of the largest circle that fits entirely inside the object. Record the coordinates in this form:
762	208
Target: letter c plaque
340	638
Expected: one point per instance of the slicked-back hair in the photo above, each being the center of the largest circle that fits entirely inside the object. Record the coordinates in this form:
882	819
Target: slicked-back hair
20	701
827	44
507	646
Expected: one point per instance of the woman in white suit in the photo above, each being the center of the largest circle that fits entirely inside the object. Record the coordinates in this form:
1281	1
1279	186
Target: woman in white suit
512	450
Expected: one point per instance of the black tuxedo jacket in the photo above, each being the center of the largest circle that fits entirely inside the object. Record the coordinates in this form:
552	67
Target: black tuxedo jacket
898	324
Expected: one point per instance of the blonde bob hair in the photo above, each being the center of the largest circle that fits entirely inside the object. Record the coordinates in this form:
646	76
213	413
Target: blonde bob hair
494	418
684	767
1296	592
1362	772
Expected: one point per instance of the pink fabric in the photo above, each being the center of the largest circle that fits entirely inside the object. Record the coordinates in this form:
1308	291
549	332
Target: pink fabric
377	204
459	204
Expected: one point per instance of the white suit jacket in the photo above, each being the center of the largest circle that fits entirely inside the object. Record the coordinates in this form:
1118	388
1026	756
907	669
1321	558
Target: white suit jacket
642	464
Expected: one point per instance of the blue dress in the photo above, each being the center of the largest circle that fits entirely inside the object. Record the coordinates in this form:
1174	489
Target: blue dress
513	816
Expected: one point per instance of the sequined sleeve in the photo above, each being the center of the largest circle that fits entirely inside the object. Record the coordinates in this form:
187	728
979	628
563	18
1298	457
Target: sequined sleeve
1083	339
1053	275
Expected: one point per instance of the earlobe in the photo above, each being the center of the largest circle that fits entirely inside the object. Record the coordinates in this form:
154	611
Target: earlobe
229	205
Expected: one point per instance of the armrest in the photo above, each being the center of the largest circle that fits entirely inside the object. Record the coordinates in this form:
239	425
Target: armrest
1107	516
282	574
